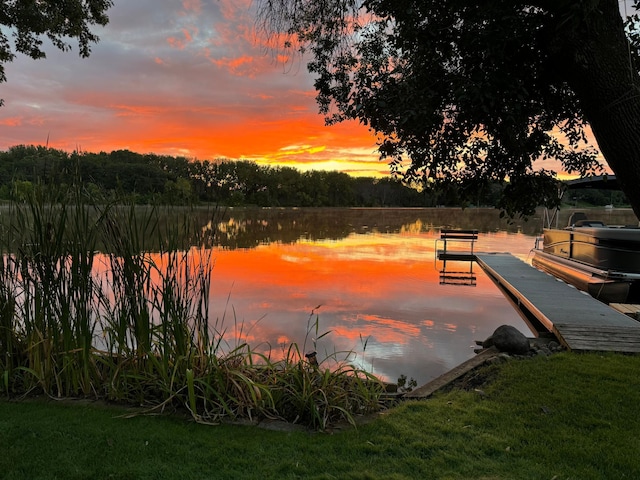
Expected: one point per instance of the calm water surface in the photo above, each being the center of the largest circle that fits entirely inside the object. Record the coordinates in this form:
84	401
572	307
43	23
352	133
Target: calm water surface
371	277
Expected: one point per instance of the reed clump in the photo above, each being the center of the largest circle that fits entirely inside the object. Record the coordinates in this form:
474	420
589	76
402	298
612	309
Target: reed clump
111	302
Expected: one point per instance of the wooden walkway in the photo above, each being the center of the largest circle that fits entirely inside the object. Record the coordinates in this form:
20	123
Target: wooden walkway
579	321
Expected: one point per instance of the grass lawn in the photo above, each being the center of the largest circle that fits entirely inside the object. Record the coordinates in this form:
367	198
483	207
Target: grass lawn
568	416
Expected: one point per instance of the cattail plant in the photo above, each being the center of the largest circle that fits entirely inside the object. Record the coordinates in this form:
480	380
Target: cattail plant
111	301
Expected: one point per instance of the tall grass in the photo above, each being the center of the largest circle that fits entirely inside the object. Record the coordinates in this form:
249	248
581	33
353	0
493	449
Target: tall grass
110	302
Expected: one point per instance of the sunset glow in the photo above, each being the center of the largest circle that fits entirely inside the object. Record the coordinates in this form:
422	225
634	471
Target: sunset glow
191	79
188	78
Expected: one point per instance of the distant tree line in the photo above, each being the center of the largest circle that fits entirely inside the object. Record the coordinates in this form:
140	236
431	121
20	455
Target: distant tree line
151	178
594	196
154	178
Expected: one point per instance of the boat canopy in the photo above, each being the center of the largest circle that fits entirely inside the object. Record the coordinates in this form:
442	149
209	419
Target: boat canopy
602	182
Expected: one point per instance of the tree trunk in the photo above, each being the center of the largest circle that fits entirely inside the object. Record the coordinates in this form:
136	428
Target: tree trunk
595	61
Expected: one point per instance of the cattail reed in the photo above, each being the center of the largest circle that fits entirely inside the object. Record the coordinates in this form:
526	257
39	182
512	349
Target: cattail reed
112	302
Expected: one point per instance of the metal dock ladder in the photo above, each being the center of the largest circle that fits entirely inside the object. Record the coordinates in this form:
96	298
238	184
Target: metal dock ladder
457	246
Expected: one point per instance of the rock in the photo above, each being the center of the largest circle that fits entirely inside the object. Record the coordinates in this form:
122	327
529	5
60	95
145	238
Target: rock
508	339
554	346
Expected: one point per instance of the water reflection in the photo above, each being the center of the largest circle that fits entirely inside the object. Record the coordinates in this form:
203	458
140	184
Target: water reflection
248	228
374	276
369	274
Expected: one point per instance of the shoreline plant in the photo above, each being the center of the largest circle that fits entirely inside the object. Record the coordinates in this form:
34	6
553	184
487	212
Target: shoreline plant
111	302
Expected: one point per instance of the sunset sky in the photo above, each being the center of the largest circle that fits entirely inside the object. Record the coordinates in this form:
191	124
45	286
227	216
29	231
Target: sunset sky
185	78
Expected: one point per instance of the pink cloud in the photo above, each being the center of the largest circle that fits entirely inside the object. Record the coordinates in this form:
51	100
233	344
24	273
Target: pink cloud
11	122
194	6
181	43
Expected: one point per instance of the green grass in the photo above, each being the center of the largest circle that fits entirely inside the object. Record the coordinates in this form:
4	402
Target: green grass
566	417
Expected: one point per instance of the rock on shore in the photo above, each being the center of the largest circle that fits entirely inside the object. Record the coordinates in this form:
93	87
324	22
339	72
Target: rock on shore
508	339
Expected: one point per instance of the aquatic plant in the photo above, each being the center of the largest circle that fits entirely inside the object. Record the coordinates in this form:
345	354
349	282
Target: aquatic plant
111	302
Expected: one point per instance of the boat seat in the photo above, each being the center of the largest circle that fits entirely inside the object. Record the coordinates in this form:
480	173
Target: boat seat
575	218
589	223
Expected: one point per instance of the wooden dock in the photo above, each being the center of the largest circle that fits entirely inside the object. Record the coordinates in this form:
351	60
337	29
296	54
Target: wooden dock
629	309
579	321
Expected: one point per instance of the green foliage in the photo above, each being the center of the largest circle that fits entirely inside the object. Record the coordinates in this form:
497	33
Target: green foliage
406	385
594	196
155	179
565	417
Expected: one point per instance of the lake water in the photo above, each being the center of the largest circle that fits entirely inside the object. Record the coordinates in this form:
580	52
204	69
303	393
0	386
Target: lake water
360	284
370	276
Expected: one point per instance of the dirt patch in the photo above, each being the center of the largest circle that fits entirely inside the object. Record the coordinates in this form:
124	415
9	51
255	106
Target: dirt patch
477	379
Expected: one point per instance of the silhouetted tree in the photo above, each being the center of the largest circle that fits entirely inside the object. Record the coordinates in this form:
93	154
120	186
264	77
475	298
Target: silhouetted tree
28	21
475	92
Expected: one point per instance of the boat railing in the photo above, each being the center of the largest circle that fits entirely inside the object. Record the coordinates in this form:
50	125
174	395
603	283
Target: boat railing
550	220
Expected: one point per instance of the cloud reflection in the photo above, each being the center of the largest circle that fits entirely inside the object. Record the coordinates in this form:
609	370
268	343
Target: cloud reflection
376	288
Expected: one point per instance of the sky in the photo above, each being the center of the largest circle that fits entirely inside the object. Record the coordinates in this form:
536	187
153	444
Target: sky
184	78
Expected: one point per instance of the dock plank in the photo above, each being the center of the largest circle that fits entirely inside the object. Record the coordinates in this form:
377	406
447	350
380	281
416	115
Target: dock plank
445	379
629	309
603	338
580	322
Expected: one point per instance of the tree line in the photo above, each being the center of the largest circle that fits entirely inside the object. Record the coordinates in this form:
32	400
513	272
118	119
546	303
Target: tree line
151	178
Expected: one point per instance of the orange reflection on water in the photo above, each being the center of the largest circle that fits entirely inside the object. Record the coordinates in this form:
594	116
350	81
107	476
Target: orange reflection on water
378	295
377	290
395	331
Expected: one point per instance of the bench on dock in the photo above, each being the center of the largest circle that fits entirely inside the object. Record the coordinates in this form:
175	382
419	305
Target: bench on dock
463	251
466	237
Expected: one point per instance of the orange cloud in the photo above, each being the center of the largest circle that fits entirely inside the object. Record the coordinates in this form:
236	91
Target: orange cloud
11	122
262	96
236	66
298	149
181	43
